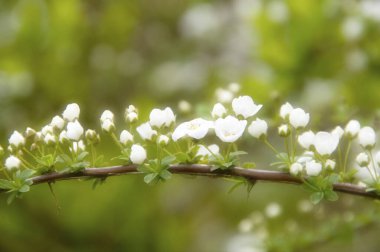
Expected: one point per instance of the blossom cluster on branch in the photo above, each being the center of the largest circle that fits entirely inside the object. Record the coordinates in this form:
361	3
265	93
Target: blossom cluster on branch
319	159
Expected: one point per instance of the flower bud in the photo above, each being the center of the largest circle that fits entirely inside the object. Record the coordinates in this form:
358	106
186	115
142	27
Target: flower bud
146	132
16	140
74	131
284	130
163	140
245	106
106	115
47	129
330	164
298	118
57	123
92	137
362	159
138	154
352	129
313	168
49	139
108	126
71	112
258	128
295	169
12	162
33	147
338	131
218	111
126	137
29	132
63	137
367	138
306	139
285	110
159	118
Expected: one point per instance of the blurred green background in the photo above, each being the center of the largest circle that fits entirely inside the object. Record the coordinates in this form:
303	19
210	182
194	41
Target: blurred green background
323	55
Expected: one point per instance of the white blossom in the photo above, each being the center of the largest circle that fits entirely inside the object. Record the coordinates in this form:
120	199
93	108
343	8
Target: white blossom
49	139
138	154
325	143
284	130
74	131
126	137
57	122
362	159
196	128
78	146
285	110
71	112
244	106
12	162
29	132
352	128
63	136
339	131
146	132
163	140
298	118
16	139
131	117
295	169
313	168
206	152
223	95
218	110
108	125
330	164
229	129
107	115
161	118
367	137
306	139
258	128
47	129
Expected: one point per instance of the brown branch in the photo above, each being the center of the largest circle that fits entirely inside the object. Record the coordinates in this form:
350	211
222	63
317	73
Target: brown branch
201	170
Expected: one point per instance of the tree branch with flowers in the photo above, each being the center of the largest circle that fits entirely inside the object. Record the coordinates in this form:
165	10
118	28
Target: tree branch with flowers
159	147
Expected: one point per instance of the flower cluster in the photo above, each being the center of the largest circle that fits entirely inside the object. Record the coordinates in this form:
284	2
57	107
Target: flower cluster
153	145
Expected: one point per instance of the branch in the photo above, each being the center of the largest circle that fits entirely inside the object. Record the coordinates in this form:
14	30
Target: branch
201	170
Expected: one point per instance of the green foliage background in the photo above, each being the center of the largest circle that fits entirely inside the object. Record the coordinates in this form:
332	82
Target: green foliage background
109	54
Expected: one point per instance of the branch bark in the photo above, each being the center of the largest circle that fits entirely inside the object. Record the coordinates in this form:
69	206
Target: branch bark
201	170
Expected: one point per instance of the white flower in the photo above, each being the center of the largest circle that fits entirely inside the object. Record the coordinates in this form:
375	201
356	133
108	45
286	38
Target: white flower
131	109
63	136
244	105
206	152
218	111
313	168
71	112
352	128
298	118
325	143
16	139
163	140
146	132
284	130
306	139
131	117
295	169
12	162
92	137
74	131
161	118
57	122
307	156
29	132
126	137
223	95
362	159
49	139
106	115
339	131
108	125
196	128
229	129
47	129
138	154
78	146
330	164
367	137
258	128
285	110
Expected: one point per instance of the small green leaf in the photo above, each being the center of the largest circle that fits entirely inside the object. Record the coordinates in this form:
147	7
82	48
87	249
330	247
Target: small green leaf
249	165
331	196
316	197
24	188
6	184
150	177
82	156
168	160
165	174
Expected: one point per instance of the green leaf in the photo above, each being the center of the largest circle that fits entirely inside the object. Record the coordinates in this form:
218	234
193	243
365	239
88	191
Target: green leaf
25	174
331	196
165	174
82	156
24	188
249	165
237	153
168	160
6	184
316	197
150	177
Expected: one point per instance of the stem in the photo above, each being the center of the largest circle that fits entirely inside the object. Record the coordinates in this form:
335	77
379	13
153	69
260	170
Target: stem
346	157
116	141
202	170
374	165
271	146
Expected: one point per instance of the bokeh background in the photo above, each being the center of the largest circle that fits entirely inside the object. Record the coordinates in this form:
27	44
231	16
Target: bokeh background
323	55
